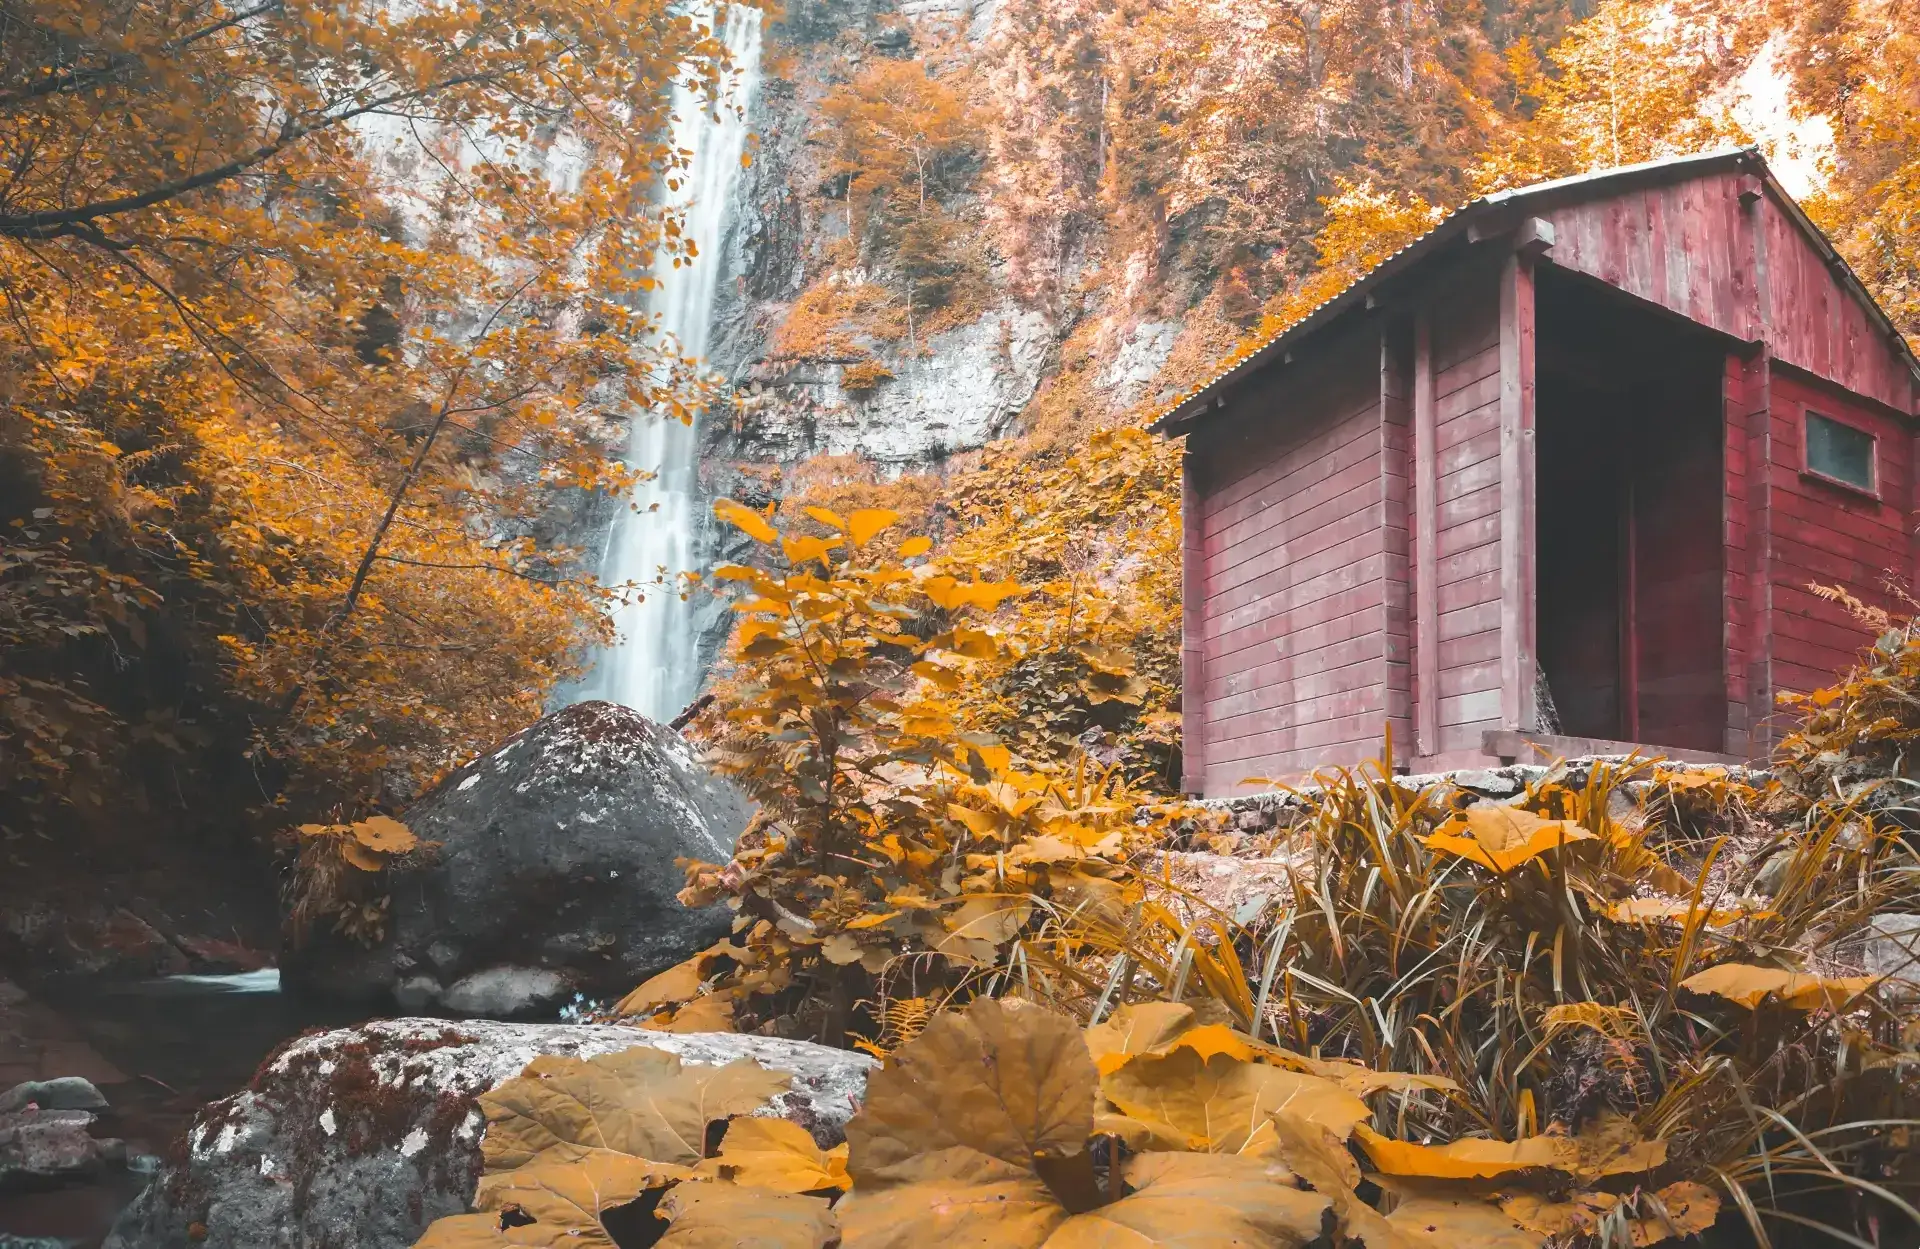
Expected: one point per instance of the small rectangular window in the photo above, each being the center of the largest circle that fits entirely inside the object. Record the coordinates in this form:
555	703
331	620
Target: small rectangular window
1839	451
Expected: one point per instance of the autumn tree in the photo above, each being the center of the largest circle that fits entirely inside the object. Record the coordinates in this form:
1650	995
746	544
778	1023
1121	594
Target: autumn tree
1857	64
309	312
1633	82
901	139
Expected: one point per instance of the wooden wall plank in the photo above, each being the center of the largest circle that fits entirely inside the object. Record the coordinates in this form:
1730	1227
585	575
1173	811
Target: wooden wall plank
1193	675
1517	675
1426	645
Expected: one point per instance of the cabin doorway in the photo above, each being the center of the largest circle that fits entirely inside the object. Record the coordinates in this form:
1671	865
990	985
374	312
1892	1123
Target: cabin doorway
1628	544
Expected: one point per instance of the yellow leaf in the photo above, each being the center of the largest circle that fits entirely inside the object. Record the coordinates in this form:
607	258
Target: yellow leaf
1682	1209
1220	1104
981	823
1502	838
384	834
733	1216
828	518
1647	910
968	1198
1469	1159
840	949
868	521
575	1193
1748	985
874	920
999	1080
1613	1021
678	983
800	550
1611	1144
639	1101
1580	1213
712	1012
1438	1219
990	919
1135	1028
913	547
359	856
746	520
776	1154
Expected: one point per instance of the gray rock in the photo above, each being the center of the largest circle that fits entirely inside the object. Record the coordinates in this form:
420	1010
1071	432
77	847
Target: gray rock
551	871
1893	950
63	1093
364	1136
39	1147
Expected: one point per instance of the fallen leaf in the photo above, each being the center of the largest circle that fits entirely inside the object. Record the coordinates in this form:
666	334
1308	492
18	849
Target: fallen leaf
1470	1159
776	1154
485	1231
1437	1219
639	1101
1237	1201
575	1194
732	1216
712	1012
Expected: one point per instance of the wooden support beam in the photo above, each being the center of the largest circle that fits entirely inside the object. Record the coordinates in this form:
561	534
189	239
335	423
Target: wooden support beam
1518	702
1426	535
1756	412
1193	725
1396	494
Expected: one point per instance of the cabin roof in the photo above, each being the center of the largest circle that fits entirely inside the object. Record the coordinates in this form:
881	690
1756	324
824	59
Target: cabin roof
1179	414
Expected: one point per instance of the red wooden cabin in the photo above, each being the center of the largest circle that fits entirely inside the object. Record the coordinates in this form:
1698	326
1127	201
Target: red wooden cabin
1554	477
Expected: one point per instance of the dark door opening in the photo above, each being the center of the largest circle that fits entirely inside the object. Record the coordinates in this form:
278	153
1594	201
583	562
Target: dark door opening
1628	545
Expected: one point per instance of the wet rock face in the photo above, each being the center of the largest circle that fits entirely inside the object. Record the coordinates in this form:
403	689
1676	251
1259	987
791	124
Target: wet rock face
553	873
363	1136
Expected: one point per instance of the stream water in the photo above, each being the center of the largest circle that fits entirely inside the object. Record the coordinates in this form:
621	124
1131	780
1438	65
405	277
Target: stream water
185	1041
654	667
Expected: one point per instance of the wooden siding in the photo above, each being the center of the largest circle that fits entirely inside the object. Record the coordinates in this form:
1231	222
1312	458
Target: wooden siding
1293	635
1817	325
1683	246
1828	534
1467	483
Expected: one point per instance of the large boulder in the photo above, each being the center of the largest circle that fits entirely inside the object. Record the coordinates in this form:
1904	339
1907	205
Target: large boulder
359	1138
552	873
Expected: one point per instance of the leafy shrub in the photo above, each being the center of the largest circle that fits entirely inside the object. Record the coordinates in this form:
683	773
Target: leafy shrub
896	846
864	375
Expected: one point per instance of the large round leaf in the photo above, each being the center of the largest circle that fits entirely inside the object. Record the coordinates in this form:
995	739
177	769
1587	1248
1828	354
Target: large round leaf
1006	1081
639	1101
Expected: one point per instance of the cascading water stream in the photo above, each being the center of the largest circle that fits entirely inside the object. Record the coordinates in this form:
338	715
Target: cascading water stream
654	665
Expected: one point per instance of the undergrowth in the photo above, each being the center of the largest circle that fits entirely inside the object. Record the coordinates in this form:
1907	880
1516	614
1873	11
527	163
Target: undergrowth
1628	1004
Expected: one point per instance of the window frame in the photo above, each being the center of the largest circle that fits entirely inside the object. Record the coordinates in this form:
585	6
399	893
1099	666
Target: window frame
1807	416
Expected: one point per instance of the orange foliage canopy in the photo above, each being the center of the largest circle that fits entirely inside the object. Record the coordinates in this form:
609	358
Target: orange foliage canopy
306	310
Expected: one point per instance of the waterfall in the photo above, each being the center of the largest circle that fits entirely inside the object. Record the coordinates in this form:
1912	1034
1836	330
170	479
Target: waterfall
654	665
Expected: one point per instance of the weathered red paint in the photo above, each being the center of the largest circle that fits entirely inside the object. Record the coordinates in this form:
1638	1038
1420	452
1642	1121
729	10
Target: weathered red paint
1361	510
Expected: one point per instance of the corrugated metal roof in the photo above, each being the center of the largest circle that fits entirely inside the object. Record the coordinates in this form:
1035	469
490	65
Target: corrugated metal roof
1191	405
